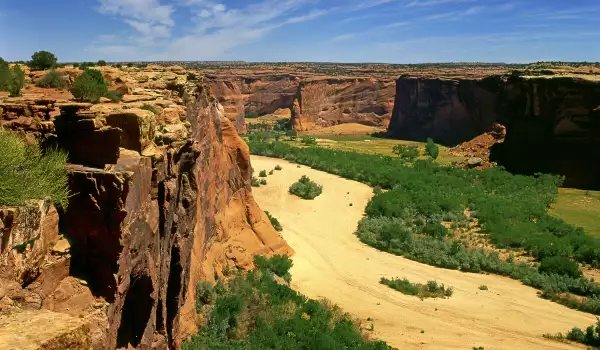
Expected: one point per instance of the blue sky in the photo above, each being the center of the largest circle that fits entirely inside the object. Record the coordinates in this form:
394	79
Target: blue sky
393	31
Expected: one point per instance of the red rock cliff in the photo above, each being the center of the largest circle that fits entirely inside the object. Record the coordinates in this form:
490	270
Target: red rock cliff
156	209
551	124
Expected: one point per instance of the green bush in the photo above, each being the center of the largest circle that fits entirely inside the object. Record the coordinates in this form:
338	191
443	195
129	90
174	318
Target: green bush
17	81
276	224
278	167
42	60
89	86
278	264
85	65
205	295
114	95
560	265
406	152
251	115
483	287
292	134
256	312
27	173
263	181
271	172
52	79
430	290
305	188
309	140
432	149
262	173
255	182
591	336
150	108
101	63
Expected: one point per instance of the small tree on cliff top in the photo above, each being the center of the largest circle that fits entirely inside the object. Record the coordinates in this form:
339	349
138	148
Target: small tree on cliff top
42	60
89	86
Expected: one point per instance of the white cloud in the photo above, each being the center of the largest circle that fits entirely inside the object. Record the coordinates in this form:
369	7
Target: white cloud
310	16
343	37
455	14
395	24
435	2
143	10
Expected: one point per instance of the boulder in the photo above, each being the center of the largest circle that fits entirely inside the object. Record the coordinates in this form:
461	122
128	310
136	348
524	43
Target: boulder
137	125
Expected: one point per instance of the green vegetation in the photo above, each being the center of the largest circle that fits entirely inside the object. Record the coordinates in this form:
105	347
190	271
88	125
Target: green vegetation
256	312
580	208
255	182
276	224
309	140
85	65
271	172
560	265
409	152
263	181
262	173
114	95
52	79
89	86
101	63
251	115
483	287
306	189
510	209
278	167
430	290
150	108
27	173
42	60
432	149
591	336
11	80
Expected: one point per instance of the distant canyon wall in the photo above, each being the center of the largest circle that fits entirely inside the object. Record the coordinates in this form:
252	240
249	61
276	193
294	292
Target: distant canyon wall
553	124
314	102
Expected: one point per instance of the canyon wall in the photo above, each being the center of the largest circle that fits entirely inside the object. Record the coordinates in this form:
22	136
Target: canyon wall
552	124
315	101
160	203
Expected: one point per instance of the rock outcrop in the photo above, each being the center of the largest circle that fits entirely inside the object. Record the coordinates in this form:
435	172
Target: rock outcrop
550	122
161	201
315	102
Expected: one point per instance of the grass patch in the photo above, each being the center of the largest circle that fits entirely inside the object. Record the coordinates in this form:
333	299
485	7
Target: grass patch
580	208
429	290
589	337
27	173
305	188
276	224
254	311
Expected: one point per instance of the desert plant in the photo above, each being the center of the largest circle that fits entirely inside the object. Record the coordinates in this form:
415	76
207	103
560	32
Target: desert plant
42	60
271	172
278	167
150	108
276	224
89	86
27	173
16	81
432	149
262	173
406	152
483	287
114	95
263	181
292	134
251	115
305	188
560	265
309	140
101	63
430	290
255	182
205	295
52	79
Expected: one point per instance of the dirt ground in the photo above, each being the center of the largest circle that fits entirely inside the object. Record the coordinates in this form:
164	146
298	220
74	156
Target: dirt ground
330	262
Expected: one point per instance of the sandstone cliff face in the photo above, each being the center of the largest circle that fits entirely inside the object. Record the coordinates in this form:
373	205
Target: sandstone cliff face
551	125
160	203
321	101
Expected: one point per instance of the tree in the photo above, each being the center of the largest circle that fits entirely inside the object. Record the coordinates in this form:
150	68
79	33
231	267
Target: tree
42	60
89	86
432	149
406	152
5	75
101	63
52	79
17	81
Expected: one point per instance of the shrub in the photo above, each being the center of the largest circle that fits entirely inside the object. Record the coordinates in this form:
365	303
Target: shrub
114	95
305	188
292	134
560	265
406	152
89	86
101	63
17	81
251	115
278	264
85	65
483	287
430	290
271	172
150	108
591	336
263	181
432	149
262	173
278	167
52	79
255	182
42	60
276	224
309	140
5	75
205	295
28	174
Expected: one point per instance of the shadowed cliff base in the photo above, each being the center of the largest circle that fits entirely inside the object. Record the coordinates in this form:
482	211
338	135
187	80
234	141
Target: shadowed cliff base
552	123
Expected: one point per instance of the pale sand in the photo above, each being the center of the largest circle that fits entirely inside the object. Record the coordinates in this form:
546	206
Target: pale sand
331	263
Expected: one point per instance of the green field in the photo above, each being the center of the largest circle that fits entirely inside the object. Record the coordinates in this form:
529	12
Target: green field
580	208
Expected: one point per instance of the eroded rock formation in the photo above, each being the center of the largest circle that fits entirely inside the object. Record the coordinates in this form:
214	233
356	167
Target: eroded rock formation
315	101
161	200
550	123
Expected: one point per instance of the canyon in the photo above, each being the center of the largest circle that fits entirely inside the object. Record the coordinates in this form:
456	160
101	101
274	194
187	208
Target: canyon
161	200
